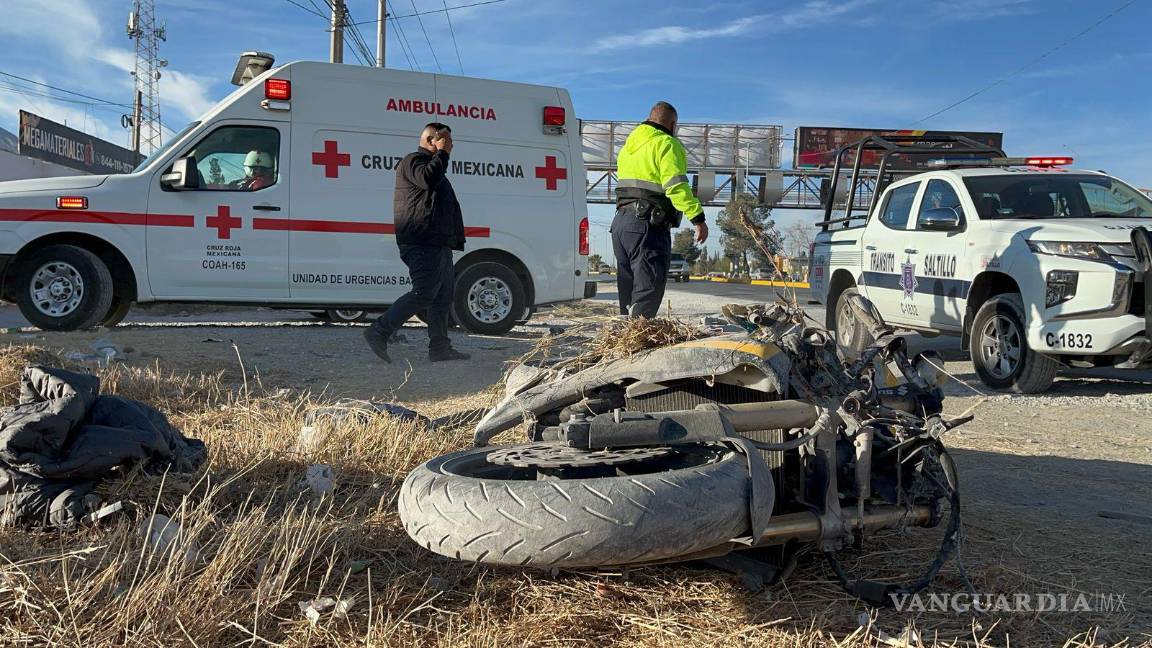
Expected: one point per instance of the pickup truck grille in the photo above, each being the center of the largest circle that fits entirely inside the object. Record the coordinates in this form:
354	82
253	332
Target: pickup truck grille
1136	304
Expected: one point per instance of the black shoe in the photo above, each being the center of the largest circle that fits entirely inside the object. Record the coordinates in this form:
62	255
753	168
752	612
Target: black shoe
446	355
378	343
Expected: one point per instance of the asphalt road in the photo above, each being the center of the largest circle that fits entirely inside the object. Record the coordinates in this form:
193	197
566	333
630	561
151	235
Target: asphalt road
737	291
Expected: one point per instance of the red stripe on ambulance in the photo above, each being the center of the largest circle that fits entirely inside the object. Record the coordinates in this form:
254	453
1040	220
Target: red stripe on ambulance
344	227
222	221
96	218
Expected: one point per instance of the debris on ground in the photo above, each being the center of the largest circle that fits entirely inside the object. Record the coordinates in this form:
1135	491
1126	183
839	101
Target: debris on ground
165	535
320	479
362	411
63	438
313	609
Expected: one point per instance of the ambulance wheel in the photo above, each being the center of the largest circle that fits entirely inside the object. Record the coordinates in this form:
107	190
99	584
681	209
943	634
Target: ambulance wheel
489	298
999	348
346	315
117	312
852	336
63	288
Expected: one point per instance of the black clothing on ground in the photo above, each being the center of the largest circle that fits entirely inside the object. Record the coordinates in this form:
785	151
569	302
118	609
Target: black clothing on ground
64	437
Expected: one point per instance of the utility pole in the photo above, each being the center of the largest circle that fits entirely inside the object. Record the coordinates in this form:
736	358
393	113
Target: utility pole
382	16
338	14
142	28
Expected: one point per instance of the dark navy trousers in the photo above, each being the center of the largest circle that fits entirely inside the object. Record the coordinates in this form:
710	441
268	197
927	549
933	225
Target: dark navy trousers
433	277
643	252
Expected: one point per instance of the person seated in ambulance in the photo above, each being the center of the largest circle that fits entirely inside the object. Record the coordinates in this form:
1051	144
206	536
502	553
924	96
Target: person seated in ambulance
258	172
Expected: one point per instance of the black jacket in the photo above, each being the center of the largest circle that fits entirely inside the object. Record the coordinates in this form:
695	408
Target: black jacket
64	437
424	204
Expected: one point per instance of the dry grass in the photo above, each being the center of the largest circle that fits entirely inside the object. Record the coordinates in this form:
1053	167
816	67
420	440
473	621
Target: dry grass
256	542
604	338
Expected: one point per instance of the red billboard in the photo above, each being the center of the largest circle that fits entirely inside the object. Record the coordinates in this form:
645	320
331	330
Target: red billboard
816	147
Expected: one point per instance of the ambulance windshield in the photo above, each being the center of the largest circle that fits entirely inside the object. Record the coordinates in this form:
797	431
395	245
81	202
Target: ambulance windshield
163	150
1047	196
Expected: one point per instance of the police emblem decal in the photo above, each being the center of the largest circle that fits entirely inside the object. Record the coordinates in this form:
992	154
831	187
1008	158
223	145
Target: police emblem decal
908	278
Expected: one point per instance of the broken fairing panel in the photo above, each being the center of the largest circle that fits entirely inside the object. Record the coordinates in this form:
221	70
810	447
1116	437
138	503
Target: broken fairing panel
735	358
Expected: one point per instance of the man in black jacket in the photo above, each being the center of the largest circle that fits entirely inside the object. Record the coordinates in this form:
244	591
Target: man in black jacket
429	226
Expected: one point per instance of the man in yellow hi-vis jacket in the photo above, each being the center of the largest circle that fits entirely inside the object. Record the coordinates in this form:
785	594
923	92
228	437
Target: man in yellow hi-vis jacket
652	195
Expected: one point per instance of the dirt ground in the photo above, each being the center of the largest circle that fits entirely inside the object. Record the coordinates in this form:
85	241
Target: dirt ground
1057	488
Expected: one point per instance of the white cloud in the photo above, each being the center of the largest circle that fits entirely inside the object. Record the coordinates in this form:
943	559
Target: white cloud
972	10
186	92
810	12
71	43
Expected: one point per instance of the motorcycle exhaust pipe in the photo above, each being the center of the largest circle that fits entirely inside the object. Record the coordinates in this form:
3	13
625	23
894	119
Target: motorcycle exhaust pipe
805	526
705	423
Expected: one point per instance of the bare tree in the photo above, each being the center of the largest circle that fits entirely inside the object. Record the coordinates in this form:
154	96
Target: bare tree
798	238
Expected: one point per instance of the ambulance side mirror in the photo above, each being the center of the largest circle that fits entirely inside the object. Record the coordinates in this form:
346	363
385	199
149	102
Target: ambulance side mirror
183	176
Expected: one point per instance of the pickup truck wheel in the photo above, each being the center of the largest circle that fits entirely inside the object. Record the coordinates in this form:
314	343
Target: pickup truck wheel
489	298
466	507
999	348
64	288
852	336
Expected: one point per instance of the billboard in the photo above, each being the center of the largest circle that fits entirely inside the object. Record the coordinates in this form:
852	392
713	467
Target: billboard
816	147
46	140
712	147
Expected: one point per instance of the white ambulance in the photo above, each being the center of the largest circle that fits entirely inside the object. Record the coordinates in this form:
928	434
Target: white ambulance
194	224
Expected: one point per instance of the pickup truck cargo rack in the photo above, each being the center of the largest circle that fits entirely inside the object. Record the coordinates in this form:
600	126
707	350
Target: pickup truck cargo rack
891	146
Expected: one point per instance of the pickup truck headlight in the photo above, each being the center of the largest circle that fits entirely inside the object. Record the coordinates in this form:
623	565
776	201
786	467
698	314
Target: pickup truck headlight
1077	249
1061	286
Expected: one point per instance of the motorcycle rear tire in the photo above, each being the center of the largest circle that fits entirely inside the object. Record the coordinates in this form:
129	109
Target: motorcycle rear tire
574	523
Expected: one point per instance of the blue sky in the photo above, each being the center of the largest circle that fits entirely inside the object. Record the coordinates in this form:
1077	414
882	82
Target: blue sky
864	63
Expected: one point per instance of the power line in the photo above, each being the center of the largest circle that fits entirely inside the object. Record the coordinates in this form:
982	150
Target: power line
71	92
404	40
360	44
448	17
434	11
426	39
31	94
1030	63
308	9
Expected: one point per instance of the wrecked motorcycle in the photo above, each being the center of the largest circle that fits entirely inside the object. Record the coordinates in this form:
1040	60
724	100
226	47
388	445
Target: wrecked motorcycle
766	437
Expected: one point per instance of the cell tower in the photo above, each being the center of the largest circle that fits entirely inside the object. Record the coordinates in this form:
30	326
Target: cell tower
146	132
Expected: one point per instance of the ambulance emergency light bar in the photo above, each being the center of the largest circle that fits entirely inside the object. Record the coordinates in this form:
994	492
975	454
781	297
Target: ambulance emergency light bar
1032	161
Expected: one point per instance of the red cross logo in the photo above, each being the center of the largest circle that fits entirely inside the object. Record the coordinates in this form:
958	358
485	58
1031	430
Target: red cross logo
551	173
223	222
331	159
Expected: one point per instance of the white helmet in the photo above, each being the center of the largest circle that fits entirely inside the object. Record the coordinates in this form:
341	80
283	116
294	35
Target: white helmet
258	159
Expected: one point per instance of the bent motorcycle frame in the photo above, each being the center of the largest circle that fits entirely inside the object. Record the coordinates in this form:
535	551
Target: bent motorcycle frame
717	423
756	363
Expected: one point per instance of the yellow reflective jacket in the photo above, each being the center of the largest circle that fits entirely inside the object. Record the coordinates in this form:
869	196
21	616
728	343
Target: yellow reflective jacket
654	161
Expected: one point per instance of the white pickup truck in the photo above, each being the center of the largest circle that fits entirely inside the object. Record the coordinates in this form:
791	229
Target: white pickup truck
1034	265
